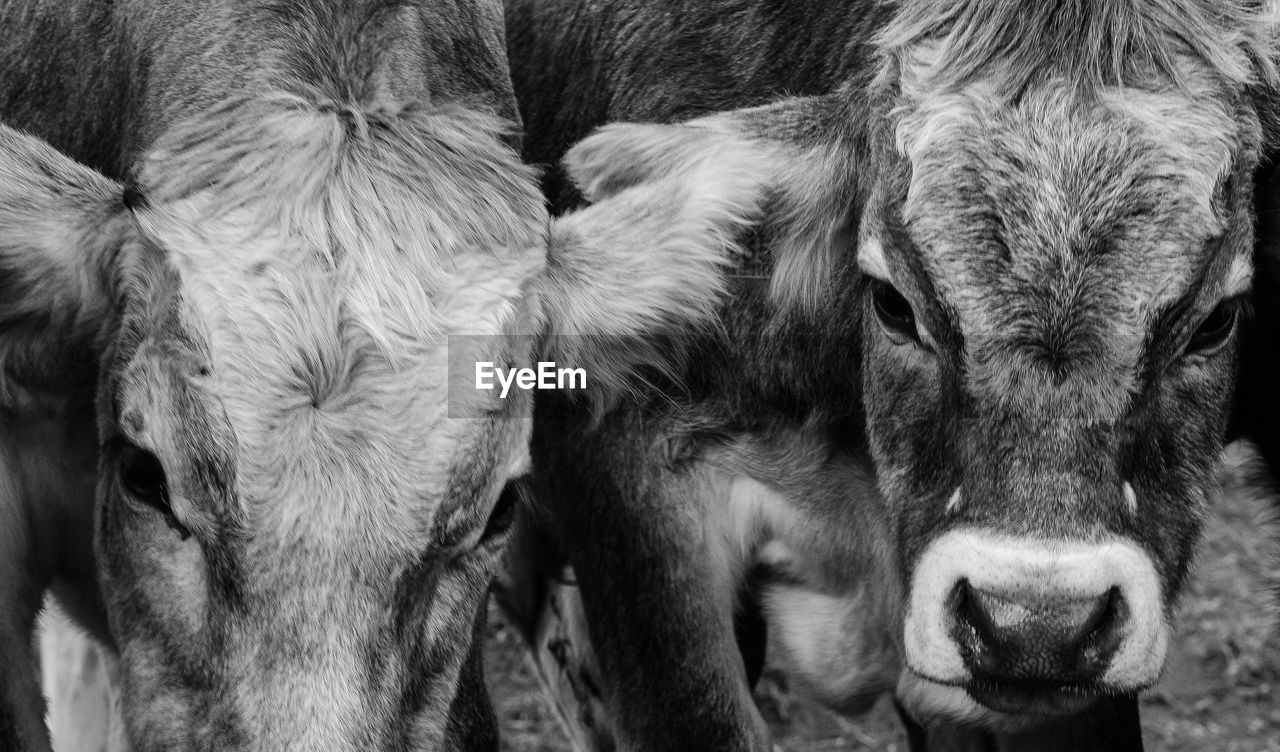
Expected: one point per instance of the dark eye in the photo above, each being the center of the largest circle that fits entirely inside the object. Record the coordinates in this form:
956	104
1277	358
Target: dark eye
1216	329
894	313
142	478
502	517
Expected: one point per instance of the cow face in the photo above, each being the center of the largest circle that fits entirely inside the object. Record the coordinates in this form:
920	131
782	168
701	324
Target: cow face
1055	260
1053	225
297	522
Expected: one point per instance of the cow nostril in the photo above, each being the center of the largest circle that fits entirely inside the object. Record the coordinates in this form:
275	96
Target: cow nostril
1096	614
1103	632
971	628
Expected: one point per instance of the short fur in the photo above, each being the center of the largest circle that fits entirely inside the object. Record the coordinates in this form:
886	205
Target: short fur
1019	167
319	195
1015	46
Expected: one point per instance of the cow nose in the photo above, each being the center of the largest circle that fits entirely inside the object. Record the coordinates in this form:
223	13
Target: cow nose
1012	636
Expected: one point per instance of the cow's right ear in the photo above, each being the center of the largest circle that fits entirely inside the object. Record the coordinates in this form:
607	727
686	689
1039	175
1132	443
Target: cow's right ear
61	225
815	153
621	155
653	255
632	278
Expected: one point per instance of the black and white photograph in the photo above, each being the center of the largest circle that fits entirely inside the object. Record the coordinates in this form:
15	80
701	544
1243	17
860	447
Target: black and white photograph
639	375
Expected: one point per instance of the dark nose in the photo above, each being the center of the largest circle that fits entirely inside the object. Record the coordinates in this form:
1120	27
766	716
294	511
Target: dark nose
1036	637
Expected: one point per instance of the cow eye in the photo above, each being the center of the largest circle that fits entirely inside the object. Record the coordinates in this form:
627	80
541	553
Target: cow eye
502	517
1216	329
894	313
142	478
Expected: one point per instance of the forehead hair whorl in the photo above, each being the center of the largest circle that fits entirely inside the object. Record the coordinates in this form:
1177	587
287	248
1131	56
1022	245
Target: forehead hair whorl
395	196
324	170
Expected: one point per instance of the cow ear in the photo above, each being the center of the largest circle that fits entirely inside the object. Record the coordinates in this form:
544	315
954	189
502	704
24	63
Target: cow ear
815	151
61	225
622	155
631	278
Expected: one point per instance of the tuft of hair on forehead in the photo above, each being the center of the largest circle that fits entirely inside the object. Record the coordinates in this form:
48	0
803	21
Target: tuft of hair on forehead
1089	43
339	176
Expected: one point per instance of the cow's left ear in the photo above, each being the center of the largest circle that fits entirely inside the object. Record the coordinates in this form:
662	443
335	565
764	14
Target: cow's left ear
632	277
61	227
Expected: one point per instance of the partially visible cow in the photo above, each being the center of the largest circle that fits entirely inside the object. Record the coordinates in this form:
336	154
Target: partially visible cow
971	415
1257	414
1257	397
236	242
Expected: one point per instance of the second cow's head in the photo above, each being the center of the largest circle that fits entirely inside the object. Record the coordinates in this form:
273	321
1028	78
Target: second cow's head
1052	225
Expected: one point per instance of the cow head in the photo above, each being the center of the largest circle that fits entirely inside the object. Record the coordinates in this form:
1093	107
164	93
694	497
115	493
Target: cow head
1052	220
1057	247
296	529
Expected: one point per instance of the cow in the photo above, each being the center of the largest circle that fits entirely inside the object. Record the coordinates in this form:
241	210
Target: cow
245	248
957	432
1257	400
1257	413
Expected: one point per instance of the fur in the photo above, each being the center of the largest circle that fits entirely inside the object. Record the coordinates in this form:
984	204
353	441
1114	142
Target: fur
1014	47
1021	175
318	209
62	228
320	195
689	228
1046	568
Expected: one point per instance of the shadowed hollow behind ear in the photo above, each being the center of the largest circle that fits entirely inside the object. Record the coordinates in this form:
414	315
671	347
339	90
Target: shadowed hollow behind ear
1256	414
61	225
815	154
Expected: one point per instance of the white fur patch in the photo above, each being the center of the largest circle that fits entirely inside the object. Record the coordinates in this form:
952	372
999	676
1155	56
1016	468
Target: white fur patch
871	258
1130	499
953	504
82	681
1239	277
1071	568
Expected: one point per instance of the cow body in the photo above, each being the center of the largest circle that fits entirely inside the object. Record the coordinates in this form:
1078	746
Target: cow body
231	439
927	366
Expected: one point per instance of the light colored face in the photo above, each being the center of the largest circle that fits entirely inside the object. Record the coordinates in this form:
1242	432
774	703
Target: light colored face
299	506
1054	284
297	527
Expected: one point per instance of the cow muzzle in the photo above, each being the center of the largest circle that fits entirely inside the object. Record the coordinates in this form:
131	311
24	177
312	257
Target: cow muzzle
1034	626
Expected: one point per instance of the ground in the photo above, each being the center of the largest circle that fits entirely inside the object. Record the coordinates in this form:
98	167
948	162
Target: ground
1220	690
